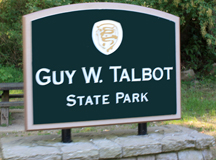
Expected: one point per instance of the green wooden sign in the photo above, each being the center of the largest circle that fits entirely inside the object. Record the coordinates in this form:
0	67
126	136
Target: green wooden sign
100	63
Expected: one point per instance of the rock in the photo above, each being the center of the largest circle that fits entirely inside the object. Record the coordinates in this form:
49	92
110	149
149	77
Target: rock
146	158
213	71
168	138
80	150
17	148
138	145
196	82
156	136
108	149
187	75
176	143
207	154
190	155
203	140
167	156
171	130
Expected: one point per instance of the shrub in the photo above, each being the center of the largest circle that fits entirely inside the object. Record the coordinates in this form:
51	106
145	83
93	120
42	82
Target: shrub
11	12
197	27
10	74
10	32
198	33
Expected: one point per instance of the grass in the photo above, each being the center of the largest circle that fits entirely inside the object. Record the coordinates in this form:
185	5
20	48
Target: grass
198	105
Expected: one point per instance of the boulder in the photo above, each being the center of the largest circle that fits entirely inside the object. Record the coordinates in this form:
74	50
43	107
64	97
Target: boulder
213	71
187	75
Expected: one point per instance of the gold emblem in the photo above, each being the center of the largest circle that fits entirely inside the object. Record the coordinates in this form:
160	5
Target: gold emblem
107	36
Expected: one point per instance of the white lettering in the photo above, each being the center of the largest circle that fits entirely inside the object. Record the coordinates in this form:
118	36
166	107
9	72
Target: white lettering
89	100
96	98
154	74
105	99
54	78
70	99
47	78
124	75
135	96
115	71
168	71
70	76
127	99
133	76
90	74
80	100
146	72
119	95
143	96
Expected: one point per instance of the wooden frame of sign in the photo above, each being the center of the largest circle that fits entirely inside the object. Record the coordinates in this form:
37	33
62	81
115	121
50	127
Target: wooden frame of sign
28	78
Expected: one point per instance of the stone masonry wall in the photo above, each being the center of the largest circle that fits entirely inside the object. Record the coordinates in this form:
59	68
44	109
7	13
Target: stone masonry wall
168	142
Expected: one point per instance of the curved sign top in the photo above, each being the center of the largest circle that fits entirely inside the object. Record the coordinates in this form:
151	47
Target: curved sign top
94	64
100	5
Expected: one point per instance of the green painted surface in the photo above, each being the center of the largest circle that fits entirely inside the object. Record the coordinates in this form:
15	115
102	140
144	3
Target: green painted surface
64	42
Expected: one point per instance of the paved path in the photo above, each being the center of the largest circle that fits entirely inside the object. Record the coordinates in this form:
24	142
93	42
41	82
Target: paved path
16	120
17	124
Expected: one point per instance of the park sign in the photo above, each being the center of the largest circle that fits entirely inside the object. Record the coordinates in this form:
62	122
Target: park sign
95	64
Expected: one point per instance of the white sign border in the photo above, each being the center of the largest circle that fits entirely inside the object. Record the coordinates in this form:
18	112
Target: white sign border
27	59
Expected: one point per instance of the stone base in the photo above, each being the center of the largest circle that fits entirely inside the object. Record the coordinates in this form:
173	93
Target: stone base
168	142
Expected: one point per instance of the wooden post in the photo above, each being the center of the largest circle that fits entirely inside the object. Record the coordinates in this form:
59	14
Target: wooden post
5	109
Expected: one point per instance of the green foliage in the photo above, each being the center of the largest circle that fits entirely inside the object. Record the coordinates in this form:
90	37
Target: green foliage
11	12
10	33
10	74
198	30
197	18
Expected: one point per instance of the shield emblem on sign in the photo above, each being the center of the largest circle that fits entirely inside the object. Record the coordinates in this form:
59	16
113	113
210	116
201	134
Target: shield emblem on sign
107	36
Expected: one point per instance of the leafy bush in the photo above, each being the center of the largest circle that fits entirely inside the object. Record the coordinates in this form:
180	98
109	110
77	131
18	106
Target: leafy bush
198	33
197	27
11	12
10	74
